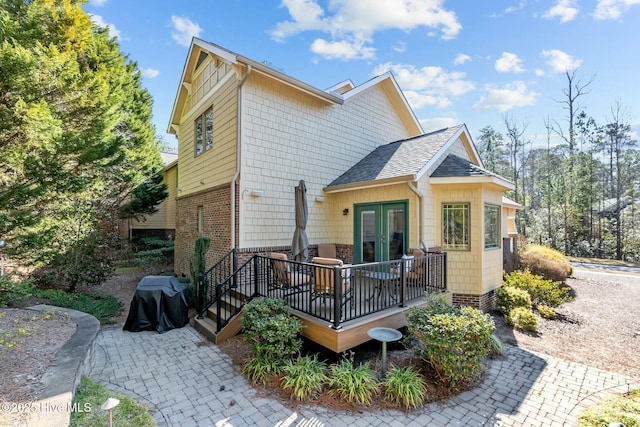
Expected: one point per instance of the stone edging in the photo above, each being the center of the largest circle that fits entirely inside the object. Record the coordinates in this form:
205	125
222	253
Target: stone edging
63	374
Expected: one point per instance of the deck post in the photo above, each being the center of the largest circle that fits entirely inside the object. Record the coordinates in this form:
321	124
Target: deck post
256	278
200	295
337	296
403	282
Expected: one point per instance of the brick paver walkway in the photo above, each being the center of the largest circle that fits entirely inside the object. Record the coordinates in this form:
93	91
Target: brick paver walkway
189	385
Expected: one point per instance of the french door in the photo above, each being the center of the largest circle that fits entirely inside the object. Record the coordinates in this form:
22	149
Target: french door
380	231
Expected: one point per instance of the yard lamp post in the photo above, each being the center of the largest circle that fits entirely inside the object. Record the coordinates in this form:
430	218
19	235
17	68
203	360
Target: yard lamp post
108	406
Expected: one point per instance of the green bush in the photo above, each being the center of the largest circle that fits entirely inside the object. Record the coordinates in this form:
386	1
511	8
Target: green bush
305	377
508	298
13	292
198	261
546	312
546	262
523	319
258	369
270	329
355	385
613	409
497	348
453	342
405	387
541	291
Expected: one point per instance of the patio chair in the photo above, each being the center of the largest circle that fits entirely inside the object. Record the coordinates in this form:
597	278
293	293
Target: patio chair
416	275
324	285
327	250
286	281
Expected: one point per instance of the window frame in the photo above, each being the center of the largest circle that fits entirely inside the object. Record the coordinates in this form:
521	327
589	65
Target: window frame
203	132
465	209
487	243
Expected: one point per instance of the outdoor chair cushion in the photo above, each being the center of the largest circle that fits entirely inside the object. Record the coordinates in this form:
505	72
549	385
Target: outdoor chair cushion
284	276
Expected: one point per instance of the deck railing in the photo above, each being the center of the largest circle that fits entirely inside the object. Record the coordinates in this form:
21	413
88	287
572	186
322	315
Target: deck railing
335	294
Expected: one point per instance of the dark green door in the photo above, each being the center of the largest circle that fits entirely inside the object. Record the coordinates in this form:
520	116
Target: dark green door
380	231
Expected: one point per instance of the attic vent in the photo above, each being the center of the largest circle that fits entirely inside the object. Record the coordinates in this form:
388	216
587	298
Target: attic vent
201	58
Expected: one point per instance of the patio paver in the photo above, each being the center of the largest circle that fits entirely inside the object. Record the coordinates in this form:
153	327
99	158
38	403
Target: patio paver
189	385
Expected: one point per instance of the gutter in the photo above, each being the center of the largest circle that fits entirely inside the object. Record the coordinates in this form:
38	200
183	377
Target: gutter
236	174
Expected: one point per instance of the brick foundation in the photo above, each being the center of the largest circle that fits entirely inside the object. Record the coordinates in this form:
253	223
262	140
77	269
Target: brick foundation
485	302
216	205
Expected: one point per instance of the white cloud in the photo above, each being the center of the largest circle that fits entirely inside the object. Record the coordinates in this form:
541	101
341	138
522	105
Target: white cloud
431	85
461	58
559	61
566	10
539	72
437	123
400	47
100	22
344	50
509	63
511	95
612	9
184	30
150	73
512	9
418	100
98	3
355	22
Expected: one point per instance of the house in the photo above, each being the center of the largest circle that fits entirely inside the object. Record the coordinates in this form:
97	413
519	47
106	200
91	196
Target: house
162	223
377	185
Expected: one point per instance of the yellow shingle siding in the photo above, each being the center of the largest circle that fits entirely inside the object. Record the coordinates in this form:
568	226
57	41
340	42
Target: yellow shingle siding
216	165
288	137
165	218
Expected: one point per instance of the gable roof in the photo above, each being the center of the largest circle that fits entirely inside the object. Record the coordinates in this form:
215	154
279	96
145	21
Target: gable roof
337	94
400	161
456	170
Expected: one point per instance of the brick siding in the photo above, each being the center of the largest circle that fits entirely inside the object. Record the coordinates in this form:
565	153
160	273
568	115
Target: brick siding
216	204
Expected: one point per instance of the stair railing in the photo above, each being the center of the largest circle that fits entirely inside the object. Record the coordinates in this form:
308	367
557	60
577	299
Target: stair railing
208	281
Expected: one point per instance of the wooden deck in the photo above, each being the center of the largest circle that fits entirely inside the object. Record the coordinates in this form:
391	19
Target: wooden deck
354	332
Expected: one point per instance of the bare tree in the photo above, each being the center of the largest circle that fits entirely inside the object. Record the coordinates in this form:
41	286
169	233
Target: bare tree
575	89
516	144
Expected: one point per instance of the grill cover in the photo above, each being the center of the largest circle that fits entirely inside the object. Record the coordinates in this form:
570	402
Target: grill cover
160	304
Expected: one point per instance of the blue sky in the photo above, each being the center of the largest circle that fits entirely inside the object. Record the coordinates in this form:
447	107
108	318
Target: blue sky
473	62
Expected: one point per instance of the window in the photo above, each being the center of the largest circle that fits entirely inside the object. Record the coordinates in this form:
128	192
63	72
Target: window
491	226
200	219
455	226
204	132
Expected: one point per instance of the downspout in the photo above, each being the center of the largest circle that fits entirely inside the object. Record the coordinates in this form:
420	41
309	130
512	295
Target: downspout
236	174
420	211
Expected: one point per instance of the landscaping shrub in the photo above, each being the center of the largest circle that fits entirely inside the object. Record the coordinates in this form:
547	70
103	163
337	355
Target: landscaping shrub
355	385
508	298
270	330
497	348
541	291
153	250
13	292
405	387
305	377
453	341
612	410
523	319
258	369
198	261
546	262
546	311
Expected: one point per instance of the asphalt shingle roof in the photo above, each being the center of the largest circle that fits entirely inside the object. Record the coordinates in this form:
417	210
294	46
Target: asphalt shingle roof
400	158
457	166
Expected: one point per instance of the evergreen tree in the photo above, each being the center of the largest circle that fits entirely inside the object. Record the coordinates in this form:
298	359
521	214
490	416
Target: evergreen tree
75	127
